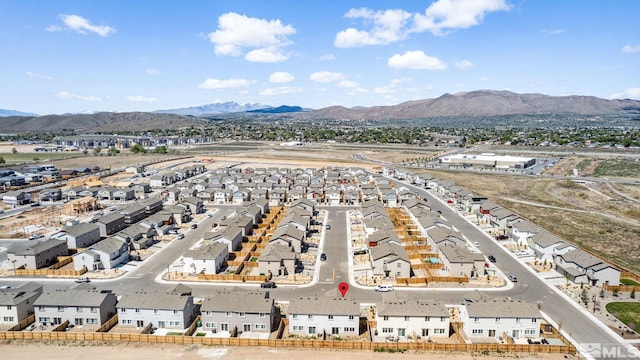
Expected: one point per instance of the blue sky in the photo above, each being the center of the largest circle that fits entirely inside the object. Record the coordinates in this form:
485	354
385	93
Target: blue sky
72	56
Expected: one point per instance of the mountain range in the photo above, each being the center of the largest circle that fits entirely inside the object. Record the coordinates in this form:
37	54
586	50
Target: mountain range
5	113
474	103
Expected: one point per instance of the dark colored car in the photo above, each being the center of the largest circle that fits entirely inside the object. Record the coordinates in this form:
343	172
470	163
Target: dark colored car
501	237
492	258
194	226
268	285
323	257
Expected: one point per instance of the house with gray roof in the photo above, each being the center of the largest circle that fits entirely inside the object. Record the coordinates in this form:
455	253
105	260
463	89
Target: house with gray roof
38	254
110	224
80	235
412	319
490	321
278	260
79	307
133	213
238	311
390	260
458	261
206	259
16	304
106	254
521	230
582	267
162	310
545	245
441	235
289	235
319	316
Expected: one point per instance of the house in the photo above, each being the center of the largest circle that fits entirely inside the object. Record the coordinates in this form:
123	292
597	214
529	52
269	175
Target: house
16	197
137	236
316	316
195	204
277	197
493	320
545	245
170	195
582	267
207	259
80	235
50	195
16	304
133	213
390	259
333	197
161	310
123	194
110	224
37	255
459	261
106	254
231	237
520	231
278	260
79	307
238	311
413	319
289	235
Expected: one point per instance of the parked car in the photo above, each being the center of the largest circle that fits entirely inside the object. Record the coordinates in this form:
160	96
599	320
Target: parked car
476	244
83	279
513	278
214	225
501	237
383	288
268	285
36	236
323	257
223	217
35	204
194	226
328	227
180	236
492	258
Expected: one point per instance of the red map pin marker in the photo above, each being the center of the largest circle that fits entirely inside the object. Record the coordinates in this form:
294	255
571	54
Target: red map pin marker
343	287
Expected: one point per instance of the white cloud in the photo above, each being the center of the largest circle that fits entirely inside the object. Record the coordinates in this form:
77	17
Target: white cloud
384	27
326	76
357	91
388	26
281	90
327	57
464	64
401	80
269	54
416	60
631	49
483	78
554	31
387	89
65	95
631	93
445	15
81	25
53	28
280	77
139	98
39	76
224	84
152	71
347	84
266	37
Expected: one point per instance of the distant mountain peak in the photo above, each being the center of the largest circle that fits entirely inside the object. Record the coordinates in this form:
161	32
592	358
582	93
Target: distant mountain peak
215	108
6	113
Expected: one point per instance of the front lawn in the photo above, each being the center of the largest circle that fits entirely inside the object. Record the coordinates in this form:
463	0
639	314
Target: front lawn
627	312
625	281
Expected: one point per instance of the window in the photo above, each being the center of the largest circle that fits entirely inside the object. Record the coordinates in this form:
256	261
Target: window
477	331
497	320
78	309
399	265
61	308
530	331
175	312
349	329
224	326
94	309
44	320
174	323
407	318
137	310
438	331
309	316
227	314
241	314
427	318
210	325
518	320
385	318
41	308
123	310
156	311
262	315
92	321
8	319
443	318
398	274
295	316
534	320
8	307
298	328
425	332
351	317
312	329
476	319
261	327
330	317
387	330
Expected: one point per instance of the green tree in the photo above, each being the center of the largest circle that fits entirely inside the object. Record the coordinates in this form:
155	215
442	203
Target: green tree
97	151
14	150
138	149
161	149
112	152
2	160
85	152
584	296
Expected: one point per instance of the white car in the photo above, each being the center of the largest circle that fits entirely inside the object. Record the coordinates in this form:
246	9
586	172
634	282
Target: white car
383	288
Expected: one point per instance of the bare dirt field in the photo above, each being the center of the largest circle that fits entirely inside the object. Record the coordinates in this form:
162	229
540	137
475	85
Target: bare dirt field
36	351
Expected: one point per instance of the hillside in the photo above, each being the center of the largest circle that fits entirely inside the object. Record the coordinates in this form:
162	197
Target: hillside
104	122
482	103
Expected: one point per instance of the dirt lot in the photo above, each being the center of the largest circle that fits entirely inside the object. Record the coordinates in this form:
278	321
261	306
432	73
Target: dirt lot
35	351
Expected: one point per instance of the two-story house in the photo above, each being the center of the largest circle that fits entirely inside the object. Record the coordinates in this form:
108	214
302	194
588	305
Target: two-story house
238	311
162	310
324	316
79	307
409	319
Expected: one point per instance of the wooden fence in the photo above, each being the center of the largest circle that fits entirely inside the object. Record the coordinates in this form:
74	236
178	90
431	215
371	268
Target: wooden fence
286	343
109	324
24	323
50	272
232	277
